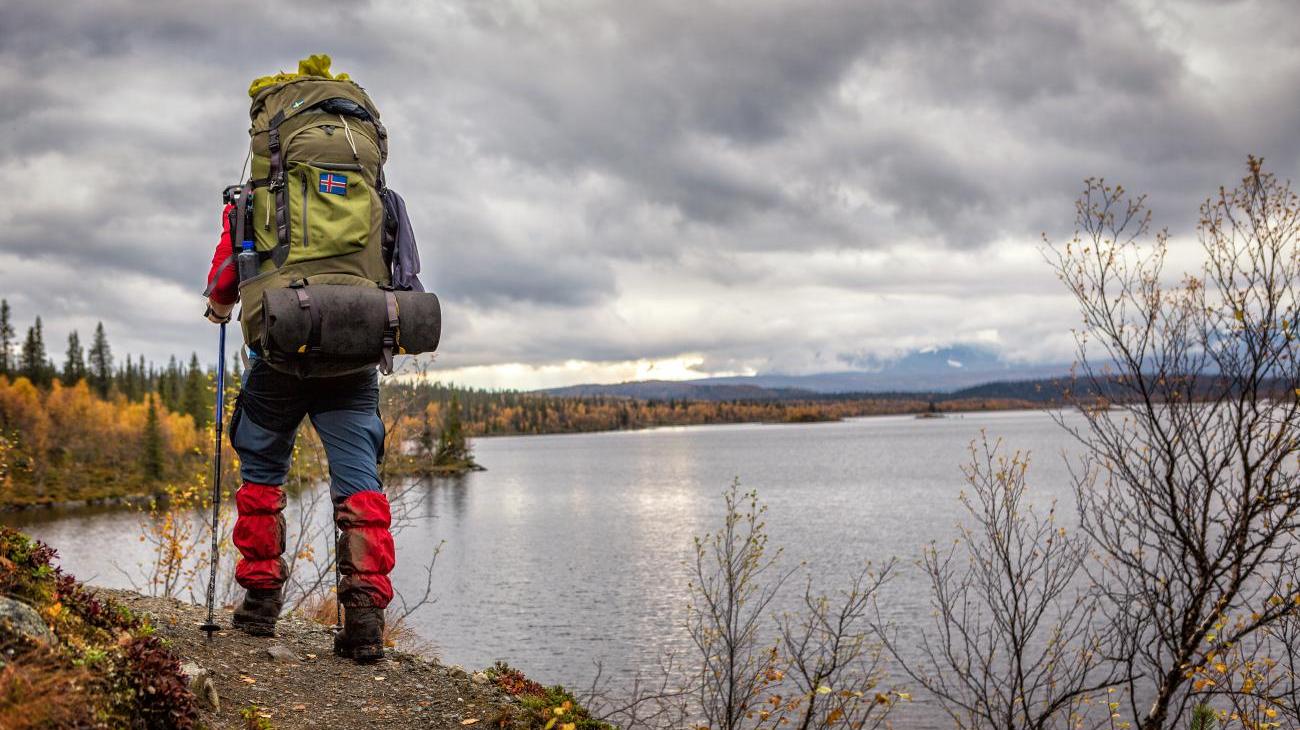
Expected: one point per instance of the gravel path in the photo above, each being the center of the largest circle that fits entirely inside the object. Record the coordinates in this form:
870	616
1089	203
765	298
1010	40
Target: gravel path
308	687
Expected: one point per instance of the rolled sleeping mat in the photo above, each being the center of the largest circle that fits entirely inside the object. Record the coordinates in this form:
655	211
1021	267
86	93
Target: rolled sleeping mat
349	322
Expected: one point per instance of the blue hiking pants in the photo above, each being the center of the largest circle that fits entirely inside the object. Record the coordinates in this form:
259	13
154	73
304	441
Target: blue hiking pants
344	409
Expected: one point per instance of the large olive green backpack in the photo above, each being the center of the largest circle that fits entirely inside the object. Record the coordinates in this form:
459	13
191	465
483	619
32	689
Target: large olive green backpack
317	218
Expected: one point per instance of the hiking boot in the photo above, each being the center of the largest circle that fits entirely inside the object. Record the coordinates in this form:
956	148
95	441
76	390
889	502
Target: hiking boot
256	616
362	637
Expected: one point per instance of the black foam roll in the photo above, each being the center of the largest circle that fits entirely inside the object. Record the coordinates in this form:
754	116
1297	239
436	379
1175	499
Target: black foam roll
347	321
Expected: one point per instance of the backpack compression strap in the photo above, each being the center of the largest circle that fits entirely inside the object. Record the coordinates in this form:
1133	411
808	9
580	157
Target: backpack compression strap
391	334
279	185
382	133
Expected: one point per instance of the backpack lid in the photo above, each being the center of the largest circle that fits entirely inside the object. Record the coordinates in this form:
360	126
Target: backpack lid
303	94
317	65
291	93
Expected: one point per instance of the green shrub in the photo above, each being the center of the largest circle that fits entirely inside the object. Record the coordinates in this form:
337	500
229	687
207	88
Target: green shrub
545	708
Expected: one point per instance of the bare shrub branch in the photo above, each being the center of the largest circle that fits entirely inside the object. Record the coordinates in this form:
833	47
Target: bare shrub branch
1189	490
1014	643
832	659
730	595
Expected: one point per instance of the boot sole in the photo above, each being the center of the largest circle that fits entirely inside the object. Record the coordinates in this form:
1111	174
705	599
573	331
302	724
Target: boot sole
254	628
361	654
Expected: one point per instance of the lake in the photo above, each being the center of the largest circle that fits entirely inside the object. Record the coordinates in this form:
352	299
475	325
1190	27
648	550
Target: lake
570	549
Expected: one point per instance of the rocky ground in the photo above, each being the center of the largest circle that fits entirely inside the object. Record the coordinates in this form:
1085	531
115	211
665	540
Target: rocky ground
295	681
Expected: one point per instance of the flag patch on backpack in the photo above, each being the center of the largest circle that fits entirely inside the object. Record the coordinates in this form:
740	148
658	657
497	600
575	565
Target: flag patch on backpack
332	183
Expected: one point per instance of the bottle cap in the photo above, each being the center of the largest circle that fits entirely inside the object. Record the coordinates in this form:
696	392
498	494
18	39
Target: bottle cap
248	245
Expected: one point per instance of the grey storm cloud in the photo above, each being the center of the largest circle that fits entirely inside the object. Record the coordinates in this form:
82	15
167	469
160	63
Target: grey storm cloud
601	181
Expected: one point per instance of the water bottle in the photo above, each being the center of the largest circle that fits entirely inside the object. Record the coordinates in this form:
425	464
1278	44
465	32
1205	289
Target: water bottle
247	262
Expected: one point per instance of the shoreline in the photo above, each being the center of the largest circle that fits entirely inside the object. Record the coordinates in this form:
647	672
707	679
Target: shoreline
137	500
841	419
124	500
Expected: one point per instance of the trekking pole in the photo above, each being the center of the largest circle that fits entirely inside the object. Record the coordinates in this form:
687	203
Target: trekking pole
338	605
211	625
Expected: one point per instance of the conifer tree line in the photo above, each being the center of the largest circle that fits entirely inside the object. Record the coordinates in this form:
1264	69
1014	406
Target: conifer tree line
179	388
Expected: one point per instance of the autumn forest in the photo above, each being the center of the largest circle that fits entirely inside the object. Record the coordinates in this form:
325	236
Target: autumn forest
97	427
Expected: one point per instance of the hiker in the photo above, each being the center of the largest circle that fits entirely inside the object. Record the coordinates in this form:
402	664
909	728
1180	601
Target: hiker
315	222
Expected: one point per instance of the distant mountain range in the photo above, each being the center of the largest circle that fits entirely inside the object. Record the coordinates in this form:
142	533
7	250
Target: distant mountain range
705	389
934	370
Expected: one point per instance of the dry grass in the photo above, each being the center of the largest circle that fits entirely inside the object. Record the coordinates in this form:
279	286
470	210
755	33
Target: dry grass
399	634
38	689
323	609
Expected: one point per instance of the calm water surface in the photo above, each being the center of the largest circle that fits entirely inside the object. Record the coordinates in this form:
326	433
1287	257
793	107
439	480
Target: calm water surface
570	549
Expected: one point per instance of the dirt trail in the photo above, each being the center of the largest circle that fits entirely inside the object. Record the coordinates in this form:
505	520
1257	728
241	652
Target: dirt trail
310	687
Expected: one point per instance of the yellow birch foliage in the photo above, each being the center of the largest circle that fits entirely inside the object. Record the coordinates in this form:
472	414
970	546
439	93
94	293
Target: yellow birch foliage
67	443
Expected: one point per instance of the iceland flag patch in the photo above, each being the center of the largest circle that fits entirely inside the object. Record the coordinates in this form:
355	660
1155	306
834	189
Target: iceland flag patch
333	183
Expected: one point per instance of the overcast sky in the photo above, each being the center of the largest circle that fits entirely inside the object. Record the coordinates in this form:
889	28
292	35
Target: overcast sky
615	190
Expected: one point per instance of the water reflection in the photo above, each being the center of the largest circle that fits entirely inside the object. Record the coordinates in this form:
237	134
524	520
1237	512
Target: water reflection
430	492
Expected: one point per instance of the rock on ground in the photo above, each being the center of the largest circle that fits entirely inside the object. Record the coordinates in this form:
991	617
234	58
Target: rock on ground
20	619
306	686
278	653
202	686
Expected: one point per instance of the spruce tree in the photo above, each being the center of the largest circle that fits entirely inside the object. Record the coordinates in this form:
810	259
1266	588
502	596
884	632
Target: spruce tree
74	367
426	438
123	377
35	364
452	448
178	386
195	397
7	364
166	385
151	453
132	382
135	387
101	363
